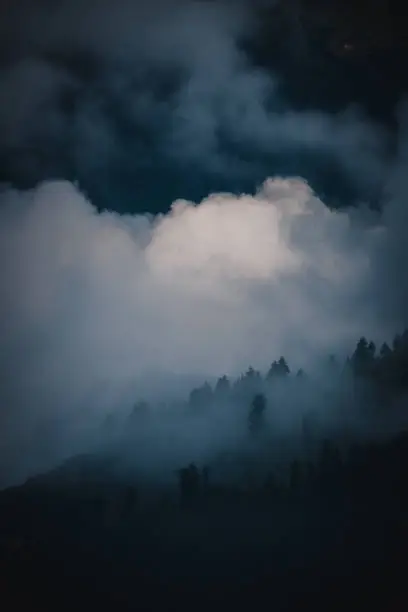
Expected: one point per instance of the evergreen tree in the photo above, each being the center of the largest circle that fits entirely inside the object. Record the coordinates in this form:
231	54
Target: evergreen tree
363	358
278	369
256	414
385	351
201	397
222	387
283	367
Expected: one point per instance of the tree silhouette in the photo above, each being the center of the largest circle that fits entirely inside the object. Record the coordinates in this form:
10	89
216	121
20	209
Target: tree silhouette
363	358
385	351
278	369
201	397
256	414
222	387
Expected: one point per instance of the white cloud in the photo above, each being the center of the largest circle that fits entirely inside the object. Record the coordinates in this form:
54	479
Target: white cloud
96	306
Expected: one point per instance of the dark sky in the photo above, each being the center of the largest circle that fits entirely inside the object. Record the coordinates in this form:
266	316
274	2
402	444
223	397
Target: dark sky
89	94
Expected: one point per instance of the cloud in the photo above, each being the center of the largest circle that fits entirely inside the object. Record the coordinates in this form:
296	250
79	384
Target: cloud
139	105
125	89
95	305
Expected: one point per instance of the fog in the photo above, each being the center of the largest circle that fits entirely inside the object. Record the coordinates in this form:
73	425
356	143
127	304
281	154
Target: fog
97	307
113	109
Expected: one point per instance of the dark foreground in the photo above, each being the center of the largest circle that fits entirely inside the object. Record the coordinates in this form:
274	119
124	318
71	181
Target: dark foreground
336	540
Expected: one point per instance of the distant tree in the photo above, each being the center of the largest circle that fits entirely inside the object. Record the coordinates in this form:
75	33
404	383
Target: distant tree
256	413
348	367
273	371
361	350
371	349
201	397
278	369
284	368
252	376
222	387
247	385
363	358
398	361
385	351
397	342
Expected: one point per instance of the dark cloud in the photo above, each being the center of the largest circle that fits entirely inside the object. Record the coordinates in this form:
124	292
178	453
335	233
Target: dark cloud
126	90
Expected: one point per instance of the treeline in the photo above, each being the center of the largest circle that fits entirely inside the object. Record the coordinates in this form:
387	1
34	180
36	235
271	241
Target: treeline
370	373
385	368
286	422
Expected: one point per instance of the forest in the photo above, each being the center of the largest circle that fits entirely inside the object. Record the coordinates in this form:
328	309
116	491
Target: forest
314	514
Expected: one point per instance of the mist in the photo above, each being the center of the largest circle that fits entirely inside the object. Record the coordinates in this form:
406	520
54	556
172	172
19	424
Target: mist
99	310
169	215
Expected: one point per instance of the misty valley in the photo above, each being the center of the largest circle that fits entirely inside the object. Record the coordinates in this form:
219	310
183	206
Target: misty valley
292	491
